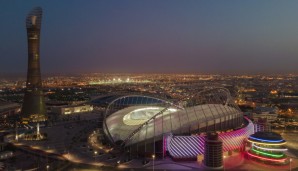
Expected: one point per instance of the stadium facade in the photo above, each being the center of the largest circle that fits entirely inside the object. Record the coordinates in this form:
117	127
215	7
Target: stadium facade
144	125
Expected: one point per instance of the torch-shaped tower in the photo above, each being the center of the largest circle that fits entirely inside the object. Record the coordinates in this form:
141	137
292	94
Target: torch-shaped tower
33	108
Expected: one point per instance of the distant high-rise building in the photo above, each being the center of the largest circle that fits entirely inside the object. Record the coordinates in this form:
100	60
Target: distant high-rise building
33	108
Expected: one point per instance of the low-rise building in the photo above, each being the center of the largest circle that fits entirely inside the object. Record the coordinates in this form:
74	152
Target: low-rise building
8	108
268	113
67	110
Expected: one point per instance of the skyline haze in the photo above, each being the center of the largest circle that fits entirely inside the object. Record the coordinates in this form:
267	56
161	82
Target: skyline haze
230	37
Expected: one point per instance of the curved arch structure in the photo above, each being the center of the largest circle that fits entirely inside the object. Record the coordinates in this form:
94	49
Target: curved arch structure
130	101
133	122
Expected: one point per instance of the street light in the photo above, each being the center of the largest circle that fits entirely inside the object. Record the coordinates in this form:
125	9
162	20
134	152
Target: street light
290	164
48	167
224	162
153	157
95	153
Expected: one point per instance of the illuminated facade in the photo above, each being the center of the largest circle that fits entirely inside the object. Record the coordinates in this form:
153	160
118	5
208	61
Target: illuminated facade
68	110
8	108
182	147
267	147
148	125
33	108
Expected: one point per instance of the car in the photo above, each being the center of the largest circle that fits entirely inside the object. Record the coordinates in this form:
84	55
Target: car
128	159
144	162
111	157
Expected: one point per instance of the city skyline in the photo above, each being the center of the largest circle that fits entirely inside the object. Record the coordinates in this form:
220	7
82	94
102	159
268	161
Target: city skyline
135	84
162	37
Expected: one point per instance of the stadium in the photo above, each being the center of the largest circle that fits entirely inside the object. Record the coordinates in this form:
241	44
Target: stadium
150	126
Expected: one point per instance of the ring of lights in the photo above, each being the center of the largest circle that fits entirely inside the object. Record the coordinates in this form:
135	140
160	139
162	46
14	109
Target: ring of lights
270	149
267	146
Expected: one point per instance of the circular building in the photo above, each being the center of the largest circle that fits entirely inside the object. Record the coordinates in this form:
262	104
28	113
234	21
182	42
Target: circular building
268	147
147	125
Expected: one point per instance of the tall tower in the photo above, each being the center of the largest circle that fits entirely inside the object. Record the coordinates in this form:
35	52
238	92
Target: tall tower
33	108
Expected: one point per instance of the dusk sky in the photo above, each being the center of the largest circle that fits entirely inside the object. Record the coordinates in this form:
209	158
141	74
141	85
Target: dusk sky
154	36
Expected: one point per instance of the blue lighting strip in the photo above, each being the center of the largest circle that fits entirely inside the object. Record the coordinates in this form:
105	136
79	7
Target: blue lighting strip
258	139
